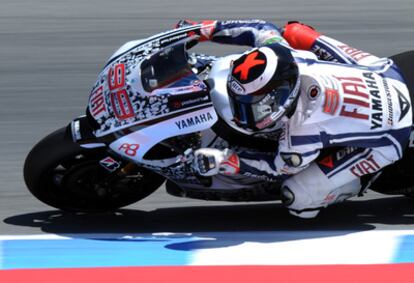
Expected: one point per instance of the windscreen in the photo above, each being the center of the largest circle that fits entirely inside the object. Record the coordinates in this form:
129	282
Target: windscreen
164	67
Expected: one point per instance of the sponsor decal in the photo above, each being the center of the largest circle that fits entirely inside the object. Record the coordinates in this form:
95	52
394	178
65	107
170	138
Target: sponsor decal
97	104
355	99
337	158
171	39
129	149
260	177
345	152
194	87
376	103
331	101
194	121
109	164
177	103
390	120
232	22
236	87
355	54
404	104
195	100
367	166
327	162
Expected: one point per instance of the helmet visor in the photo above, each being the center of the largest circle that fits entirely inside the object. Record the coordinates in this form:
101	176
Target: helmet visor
258	112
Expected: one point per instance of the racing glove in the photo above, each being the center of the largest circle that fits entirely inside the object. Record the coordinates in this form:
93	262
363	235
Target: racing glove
211	161
300	36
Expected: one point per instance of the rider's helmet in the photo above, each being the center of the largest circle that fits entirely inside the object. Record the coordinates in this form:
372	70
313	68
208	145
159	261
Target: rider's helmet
263	87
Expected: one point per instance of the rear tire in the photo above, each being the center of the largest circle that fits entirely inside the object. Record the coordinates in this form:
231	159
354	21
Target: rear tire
66	176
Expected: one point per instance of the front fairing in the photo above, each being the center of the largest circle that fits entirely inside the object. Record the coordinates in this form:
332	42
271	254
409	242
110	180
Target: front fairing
148	93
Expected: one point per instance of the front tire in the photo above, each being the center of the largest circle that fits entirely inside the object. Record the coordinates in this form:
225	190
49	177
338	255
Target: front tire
66	176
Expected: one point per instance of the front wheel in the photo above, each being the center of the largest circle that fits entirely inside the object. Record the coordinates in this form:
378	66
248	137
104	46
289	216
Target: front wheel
66	176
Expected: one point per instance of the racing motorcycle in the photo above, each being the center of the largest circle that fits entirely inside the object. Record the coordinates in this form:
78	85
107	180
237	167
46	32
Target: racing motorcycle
152	103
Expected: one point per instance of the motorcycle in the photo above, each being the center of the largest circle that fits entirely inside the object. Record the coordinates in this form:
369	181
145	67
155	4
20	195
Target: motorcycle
152	102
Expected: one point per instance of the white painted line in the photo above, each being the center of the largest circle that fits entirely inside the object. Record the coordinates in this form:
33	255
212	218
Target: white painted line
32	237
372	247
93	236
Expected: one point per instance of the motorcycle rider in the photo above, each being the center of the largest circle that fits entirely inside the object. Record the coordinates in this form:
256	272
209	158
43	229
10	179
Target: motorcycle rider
315	92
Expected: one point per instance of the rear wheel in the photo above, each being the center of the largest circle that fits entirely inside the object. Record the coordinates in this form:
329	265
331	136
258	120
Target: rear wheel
64	175
409	192
405	62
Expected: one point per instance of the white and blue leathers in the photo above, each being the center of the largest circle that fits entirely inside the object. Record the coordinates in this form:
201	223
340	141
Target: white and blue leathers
349	99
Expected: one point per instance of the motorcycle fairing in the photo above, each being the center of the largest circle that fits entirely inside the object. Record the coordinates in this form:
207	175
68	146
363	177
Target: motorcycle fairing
153	43
138	86
195	121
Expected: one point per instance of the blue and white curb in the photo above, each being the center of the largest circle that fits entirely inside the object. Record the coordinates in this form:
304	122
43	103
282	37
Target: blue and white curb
209	248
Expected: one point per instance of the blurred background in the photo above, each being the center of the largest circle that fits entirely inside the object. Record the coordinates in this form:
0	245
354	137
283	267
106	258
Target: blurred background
52	50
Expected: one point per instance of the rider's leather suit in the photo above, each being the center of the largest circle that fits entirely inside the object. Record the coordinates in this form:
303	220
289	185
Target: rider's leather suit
348	98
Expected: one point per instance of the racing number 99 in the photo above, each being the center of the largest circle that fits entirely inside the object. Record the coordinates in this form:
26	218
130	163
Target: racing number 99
121	104
116	77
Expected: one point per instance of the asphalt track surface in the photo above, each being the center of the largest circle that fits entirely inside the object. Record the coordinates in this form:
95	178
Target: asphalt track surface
51	52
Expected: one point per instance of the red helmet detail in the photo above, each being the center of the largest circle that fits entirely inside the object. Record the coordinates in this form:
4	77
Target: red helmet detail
263	87
248	63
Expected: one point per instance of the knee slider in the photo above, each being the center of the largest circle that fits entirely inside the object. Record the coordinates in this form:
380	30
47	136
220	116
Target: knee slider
287	196
295	196
298	200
